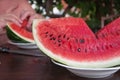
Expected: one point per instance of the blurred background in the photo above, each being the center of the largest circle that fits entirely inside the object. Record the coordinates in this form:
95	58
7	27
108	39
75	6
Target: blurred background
96	13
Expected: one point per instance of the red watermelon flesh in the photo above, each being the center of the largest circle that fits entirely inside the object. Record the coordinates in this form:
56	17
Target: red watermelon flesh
111	30
21	31
71	42
58	33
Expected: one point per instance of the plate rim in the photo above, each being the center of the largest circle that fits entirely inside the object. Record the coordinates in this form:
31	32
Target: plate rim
95	69
17	43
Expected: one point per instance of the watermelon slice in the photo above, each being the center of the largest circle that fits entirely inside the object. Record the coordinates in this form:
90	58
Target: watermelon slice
19	33
70	41
111	30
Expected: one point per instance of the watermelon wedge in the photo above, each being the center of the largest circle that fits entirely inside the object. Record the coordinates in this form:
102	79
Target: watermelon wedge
111	30
70	41
19	33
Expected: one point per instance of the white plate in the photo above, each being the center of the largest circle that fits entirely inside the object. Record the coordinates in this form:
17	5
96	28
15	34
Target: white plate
24	45
90	72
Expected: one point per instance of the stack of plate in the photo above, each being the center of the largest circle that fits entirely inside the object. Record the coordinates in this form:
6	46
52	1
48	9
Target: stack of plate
24	45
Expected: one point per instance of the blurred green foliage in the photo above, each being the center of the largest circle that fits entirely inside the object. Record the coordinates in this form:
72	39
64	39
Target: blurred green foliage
91	10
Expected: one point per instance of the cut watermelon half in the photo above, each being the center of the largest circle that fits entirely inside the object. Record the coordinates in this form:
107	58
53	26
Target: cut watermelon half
19	33
70	41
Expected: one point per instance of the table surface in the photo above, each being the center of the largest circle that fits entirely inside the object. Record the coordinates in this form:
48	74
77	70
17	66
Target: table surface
19	67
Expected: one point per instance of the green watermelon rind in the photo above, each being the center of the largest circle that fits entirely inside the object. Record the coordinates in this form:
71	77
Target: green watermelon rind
70	62
15	37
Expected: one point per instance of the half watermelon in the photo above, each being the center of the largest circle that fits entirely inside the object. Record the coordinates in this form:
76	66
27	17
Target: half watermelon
19	33
70	41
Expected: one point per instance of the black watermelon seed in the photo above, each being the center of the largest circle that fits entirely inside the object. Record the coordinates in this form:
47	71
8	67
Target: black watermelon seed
68	38
78	49
59	44
82	41
107	47
64	36
46	32
51	35
51	38
59	40
59	36
54	38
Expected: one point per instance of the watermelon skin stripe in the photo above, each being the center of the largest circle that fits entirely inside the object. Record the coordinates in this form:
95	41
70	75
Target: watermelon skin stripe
13	37
74	63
